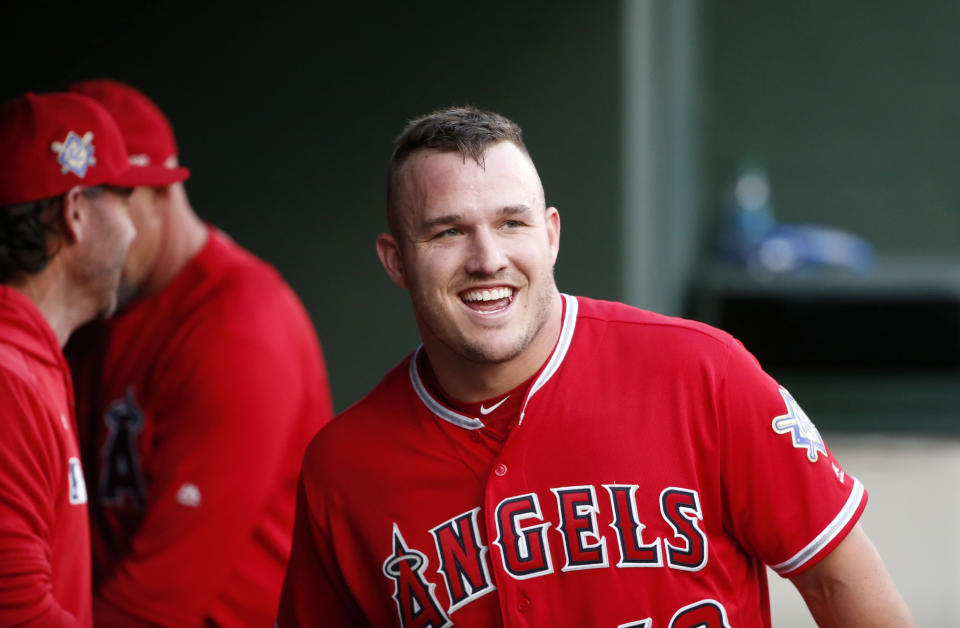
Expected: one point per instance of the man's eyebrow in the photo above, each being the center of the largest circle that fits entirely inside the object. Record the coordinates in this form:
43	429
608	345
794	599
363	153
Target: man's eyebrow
441	220
447	219
512	210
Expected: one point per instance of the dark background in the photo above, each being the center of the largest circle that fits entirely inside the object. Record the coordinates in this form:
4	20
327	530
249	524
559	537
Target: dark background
285	114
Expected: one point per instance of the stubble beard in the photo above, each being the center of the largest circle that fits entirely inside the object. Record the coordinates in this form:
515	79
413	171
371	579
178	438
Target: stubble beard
108	287
127	292
101	270
480	352
98	282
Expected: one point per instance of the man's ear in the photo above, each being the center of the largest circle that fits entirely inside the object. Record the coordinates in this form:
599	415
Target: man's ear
74	215
553	231
388	250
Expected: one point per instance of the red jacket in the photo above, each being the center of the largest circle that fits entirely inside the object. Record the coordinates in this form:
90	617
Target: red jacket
44	534
195	406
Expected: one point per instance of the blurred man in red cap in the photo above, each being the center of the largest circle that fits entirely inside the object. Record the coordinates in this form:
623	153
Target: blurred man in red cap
195	405
64	233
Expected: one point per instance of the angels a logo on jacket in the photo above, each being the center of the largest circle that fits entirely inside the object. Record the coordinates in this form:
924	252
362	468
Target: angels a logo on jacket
120	477
523	546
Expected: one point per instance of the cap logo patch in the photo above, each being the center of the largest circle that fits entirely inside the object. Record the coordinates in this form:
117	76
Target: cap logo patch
75	153
801	429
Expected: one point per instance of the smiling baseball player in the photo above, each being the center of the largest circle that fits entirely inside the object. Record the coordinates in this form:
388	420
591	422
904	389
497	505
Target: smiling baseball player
550	460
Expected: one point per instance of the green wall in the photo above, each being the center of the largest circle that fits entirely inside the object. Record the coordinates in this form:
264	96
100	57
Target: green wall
853	106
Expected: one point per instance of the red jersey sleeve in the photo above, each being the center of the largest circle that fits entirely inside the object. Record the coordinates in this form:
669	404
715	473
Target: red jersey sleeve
789	500
231	426
31	479
314	590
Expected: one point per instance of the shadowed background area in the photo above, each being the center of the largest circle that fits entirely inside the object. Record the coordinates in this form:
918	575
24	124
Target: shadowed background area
638	115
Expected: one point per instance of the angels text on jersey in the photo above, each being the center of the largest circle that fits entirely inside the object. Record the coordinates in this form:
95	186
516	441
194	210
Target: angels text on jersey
523	550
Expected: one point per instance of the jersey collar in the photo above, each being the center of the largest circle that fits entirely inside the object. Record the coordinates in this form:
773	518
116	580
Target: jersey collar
553	363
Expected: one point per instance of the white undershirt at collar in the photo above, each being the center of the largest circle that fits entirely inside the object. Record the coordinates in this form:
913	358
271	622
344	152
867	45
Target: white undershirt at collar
553	363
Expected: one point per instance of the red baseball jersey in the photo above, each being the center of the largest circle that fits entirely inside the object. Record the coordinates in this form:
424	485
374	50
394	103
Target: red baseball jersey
195	407
650	472
44	533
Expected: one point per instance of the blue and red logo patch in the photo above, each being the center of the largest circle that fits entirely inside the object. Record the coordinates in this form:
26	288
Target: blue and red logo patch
75	153
801	429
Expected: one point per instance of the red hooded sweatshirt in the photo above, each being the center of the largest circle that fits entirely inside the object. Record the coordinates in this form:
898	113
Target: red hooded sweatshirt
44	532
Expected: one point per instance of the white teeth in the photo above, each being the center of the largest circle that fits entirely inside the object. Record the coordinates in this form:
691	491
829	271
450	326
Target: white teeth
488	295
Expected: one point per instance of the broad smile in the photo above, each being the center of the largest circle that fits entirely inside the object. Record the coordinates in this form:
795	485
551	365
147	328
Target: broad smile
488	300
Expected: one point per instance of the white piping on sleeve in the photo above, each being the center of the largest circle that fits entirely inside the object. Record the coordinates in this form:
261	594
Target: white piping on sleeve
827	535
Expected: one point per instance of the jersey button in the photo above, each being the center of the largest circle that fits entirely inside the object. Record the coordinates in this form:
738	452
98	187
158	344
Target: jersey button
524	604
500	470
475	437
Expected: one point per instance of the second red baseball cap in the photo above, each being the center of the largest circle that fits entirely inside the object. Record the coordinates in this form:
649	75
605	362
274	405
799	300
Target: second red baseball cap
53	142
146	131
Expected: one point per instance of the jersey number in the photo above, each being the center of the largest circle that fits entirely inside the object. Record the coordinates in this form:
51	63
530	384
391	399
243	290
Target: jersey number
702	614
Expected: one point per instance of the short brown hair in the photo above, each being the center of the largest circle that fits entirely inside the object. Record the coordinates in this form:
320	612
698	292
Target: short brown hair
26	232
31	233
467	130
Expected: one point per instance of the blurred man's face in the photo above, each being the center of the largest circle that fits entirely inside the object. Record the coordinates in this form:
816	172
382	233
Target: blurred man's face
107	237
477	251
141	206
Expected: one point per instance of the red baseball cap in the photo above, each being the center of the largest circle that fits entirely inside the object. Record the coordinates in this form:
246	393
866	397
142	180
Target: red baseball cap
146	131
52	142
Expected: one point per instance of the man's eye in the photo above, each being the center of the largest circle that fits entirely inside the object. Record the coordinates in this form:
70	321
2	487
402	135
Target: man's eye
512	224
447	233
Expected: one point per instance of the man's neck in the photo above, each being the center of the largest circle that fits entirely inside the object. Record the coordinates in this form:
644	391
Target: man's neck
63	307
183	236
471	381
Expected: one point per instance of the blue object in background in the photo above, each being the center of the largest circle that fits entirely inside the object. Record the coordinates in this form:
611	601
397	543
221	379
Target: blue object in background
752	237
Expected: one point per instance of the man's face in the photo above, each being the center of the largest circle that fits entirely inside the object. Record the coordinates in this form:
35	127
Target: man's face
476	251
146	219
107	237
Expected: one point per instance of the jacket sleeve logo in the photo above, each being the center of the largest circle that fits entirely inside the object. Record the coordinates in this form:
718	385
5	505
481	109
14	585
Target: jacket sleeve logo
78	489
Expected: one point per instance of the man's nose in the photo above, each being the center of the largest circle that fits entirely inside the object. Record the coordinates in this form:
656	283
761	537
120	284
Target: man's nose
486	255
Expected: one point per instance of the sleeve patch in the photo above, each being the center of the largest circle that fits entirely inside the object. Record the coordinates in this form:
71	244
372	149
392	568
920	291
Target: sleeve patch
801	429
